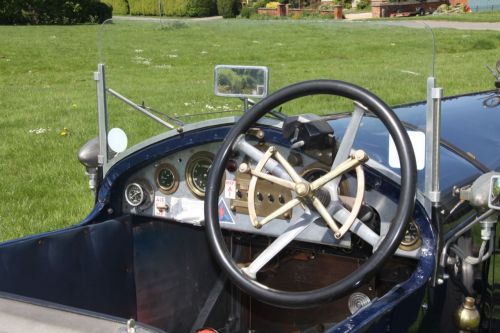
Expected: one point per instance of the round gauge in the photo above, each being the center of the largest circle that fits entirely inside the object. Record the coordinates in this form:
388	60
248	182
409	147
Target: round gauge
134	194
411	239
197	170
167	178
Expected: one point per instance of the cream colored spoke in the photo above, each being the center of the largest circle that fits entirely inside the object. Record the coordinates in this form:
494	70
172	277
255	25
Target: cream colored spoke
251	202
358	201
358	158
274	179
280	211
253	183
325	215
289	169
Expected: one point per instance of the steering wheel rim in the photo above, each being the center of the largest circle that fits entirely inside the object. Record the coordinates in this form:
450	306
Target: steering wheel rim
385	249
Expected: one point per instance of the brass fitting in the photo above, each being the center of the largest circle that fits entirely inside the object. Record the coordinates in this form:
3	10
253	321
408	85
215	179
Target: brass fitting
467	317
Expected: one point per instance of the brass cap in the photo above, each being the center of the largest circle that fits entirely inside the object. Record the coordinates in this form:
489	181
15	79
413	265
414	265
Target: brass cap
469	303
467	317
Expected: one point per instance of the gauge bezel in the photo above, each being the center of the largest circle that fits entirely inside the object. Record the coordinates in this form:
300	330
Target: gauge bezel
143	195
175	173
414	244
192	162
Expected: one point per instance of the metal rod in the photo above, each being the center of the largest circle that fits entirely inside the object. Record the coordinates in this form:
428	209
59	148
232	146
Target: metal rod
437	94
432	142
139	108
102	115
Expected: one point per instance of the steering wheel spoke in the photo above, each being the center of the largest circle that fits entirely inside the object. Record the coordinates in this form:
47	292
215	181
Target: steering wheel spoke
277	245
280	211
289	169
358	158
326	216
273	179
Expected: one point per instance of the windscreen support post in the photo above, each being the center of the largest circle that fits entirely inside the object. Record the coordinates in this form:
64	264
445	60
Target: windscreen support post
432	166
102	116
432	135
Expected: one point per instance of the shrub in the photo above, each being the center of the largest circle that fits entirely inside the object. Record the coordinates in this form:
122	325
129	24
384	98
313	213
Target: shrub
197	8
248	11
326	6
362	4
53	11
120	7
260	3
97	12
144	7
272	5
175	7
227	8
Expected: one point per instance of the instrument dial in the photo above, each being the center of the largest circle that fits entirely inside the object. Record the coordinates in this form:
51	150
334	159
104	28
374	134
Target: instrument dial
134	194
197	170
167	178
411	239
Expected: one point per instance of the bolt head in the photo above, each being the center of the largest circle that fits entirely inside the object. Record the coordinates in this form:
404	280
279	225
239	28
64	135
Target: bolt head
302	189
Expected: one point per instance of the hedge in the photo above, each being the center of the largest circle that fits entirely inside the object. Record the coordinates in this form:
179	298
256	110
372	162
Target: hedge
227	8
144	7
120	7
173	7
53	11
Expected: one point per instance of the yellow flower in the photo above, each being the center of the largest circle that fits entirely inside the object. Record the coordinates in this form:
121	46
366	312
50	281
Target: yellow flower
64	132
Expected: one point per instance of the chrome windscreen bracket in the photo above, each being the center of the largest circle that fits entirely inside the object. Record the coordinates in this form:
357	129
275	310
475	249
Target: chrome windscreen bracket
102	115
432	142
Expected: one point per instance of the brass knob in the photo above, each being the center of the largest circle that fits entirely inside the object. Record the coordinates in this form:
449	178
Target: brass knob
467	317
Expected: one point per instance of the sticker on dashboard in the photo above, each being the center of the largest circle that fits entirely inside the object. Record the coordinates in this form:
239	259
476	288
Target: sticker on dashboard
160	206
225	215
230	189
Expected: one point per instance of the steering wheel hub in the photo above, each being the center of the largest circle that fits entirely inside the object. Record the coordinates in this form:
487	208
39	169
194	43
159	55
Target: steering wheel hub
302	189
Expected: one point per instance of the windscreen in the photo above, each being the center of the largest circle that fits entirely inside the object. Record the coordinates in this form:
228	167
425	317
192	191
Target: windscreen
167	66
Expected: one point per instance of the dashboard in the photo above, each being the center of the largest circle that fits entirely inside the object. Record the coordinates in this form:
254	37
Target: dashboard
173	188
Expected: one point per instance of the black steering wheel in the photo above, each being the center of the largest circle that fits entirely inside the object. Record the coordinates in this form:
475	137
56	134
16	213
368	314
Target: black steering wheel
384	248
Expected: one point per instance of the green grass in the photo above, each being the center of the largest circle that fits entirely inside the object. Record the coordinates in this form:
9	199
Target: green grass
46	82
493	16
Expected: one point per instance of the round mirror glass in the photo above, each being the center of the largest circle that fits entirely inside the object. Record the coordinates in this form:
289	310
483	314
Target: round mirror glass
117	140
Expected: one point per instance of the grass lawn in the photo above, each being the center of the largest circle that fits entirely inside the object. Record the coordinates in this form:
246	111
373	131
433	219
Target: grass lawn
493	16
46	85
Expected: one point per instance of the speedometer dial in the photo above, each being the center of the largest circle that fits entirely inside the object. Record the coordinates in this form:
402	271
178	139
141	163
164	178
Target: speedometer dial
197	170
167	178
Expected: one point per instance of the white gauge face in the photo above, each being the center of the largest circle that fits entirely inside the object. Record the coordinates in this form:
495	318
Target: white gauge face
134	194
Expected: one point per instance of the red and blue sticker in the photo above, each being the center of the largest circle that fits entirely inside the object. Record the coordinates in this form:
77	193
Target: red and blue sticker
225	215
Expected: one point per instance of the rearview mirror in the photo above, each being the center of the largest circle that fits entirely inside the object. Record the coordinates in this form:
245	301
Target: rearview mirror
241	81
494	195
